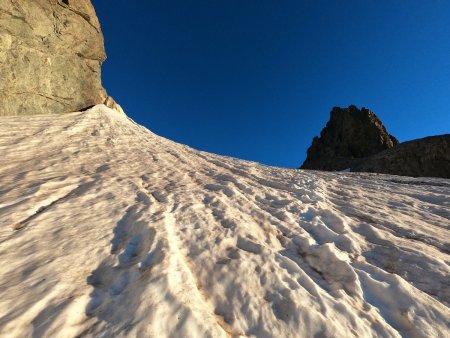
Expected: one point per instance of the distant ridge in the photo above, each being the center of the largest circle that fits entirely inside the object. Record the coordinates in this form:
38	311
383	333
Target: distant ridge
356	140
425	157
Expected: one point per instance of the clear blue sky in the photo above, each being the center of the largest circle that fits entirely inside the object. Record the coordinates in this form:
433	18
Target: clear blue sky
257	79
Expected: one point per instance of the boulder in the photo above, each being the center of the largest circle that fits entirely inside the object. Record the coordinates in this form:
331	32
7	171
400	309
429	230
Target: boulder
350	135
51	53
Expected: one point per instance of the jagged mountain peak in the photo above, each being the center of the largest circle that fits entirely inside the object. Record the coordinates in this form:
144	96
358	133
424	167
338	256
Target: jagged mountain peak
349	135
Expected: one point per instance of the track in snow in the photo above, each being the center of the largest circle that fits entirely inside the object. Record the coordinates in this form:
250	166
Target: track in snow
125	233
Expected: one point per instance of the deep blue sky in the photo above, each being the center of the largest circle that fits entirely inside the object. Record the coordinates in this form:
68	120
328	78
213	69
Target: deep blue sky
257	79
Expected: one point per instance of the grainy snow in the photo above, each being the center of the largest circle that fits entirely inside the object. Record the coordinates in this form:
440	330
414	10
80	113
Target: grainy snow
109	230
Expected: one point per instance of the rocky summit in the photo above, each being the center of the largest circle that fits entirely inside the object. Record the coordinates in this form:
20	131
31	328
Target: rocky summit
51	53
350	135
356	140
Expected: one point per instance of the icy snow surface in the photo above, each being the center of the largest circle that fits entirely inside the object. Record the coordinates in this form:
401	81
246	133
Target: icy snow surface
109	230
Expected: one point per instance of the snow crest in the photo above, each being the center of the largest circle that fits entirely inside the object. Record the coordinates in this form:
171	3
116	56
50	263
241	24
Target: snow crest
109	230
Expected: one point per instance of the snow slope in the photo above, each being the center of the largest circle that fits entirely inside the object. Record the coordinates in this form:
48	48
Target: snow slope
109	230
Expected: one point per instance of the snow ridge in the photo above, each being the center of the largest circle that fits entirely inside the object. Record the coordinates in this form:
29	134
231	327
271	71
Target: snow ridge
109	230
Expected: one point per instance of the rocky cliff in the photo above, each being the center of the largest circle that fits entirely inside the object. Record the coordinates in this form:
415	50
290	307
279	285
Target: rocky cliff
356	139
350	135
51	53
426	157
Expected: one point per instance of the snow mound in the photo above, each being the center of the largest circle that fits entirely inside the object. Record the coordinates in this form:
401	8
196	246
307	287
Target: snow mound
109	230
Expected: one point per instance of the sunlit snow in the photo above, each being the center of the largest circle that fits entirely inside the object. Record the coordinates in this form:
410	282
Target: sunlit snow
109	230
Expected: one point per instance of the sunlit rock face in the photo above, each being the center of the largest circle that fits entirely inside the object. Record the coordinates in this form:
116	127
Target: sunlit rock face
350	135
51	53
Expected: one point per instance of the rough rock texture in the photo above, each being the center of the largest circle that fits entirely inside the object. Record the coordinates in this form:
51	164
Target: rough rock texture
350	135
426	157
51	53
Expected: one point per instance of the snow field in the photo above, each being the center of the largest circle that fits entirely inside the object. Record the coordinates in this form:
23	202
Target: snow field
109	230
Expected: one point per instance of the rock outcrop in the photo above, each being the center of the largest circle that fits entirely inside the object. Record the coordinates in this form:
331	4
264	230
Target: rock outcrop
350	135
425	157
355	139
51	53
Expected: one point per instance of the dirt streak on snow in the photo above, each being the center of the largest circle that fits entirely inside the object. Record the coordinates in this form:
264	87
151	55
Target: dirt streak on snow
109	230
